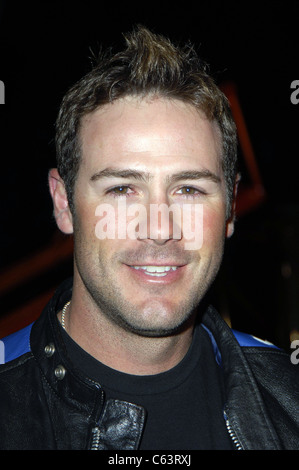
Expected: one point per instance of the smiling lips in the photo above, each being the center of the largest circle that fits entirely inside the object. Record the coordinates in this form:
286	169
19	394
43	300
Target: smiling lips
156	271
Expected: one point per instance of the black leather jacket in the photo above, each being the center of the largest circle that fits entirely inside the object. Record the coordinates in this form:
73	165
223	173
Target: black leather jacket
47	404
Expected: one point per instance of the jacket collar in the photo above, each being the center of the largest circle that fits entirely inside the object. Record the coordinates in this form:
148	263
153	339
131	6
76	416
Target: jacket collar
244	402
60	373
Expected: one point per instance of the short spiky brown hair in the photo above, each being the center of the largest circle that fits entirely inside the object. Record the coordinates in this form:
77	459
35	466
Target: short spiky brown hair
149	65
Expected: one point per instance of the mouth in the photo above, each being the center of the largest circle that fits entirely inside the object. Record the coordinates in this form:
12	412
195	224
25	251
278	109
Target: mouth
156	271
157	274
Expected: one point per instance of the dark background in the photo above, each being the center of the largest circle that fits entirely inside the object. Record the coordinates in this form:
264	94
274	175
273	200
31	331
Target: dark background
45	47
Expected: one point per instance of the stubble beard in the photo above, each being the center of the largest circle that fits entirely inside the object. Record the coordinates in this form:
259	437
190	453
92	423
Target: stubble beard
118	310
100	283
128	317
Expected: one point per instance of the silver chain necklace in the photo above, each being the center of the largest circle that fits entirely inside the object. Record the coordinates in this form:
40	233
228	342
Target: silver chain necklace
63	314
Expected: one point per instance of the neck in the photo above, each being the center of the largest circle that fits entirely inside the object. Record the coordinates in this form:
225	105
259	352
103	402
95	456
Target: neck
119	348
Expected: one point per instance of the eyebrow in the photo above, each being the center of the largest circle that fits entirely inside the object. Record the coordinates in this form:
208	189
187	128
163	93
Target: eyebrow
194	175
119	173
145	176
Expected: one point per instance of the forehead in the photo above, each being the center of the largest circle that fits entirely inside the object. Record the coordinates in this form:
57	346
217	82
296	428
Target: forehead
154	131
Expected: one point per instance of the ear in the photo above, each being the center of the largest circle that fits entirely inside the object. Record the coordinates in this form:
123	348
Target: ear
62	211
230	223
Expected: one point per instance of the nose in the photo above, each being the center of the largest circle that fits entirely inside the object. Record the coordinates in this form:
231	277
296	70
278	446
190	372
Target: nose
160	223
163	221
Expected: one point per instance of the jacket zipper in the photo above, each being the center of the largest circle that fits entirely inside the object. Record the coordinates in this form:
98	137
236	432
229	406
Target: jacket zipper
96	432
95	438
232	433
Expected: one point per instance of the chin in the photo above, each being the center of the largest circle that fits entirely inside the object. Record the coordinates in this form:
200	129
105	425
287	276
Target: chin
156	331
165	323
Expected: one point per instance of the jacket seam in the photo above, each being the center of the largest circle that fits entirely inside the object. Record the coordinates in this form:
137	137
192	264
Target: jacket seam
262	351
20	361
281	405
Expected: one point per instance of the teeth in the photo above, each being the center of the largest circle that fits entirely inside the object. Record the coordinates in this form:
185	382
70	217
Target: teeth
156	270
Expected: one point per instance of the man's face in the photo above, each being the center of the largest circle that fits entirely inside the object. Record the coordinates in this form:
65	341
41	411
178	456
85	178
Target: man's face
148	153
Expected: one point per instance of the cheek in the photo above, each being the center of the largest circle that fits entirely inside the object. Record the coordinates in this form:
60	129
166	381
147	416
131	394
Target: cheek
213	227
85	225
86	243
204	229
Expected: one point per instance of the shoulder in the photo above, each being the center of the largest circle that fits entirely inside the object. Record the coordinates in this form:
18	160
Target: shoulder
274	370
15	345
247	340
17	370
265	357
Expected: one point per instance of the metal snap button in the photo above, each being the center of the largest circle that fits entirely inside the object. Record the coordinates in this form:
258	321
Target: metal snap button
49	350
60	372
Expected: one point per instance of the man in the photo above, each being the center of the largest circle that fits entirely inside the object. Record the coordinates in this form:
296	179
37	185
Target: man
127	355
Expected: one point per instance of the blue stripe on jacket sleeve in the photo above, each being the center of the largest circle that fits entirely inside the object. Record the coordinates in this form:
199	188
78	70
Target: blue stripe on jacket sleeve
246	340
17	344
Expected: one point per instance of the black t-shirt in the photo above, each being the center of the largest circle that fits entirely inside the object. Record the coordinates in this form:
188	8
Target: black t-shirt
184	405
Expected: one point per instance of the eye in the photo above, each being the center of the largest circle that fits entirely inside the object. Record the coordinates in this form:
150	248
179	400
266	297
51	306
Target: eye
119	191
189	191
